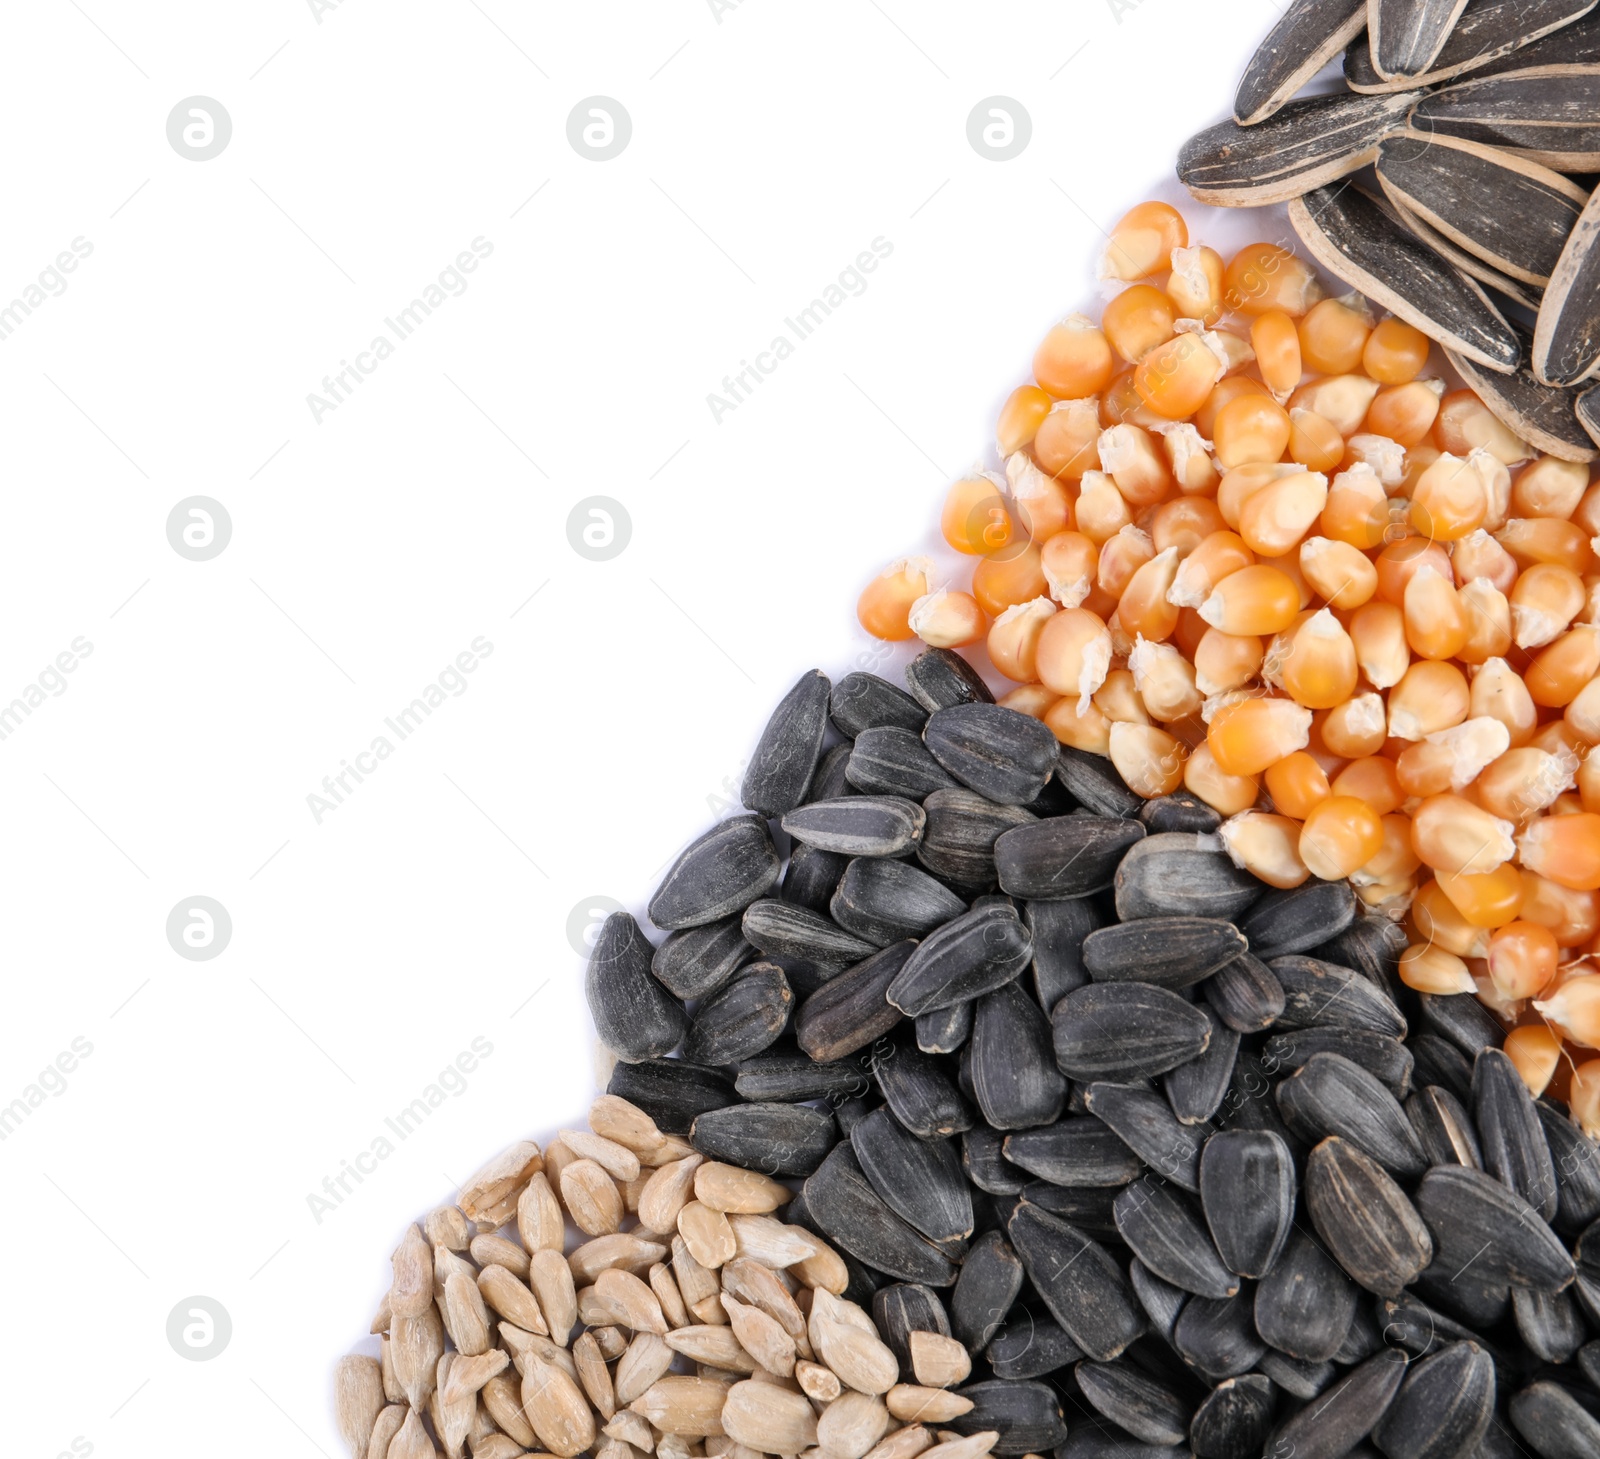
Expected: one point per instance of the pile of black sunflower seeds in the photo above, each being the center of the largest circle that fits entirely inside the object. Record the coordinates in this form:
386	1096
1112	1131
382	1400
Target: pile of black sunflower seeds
1174	1154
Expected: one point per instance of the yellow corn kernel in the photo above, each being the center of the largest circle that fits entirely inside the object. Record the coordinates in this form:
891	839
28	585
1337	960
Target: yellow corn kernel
1406	413
1195	287
1378	631
1074	654
1192	468
1137	321
1118	699
1074	360
1374	779
1487	899
1120	403
1487	615
1437	919
1217	557
1122	556
1340	573
1449	500
1431	969
1320	670
1557	676
1297	785
1478	555
976	519
1403	558
1564	849
1589	780
1274	520
1394	860
1334	334
1585	1097
1586	515
1418	459
1014	639
1252	734
1165	681
1020	418
1549	488
1253	601
1342	399
1101	510
1431	696
1226	661
1033	700
1452	759
1006	578
1524	782
1143	608
1262	277
1465	424
1043	506
1396	352
1339	836
1546	539
1557	737
1266	846
1435	617
944	619
1184	523
1082	728
1534	1052
1131	457
1314	440
1068	439
1357	512
1574	1010
1070	562
1450	833
1228	389
1227	794
1583	714
1251	428
1391	899
1149	760
1572	915
884	608
1522	959
1544	602
1142	243
1175	379
1386	457
1243	482
1499	692
1355	728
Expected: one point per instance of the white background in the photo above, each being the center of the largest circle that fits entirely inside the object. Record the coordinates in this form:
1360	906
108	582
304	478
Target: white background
770	146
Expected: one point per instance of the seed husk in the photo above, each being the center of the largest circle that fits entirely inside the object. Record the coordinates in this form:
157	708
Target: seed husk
1182	813
1010	1063
850	1011
672	1091
1308	35
1554	1422
862	701
842	1201
787	753
1407	35
1386	1059
785	1075
1166	1233
1134	1401
1246	995
1304	1306
1371	946
1330	1095
1028	1345
1282	923
1144	1121
919	1092
1349	1412
1511	1136
1073	1152
969	956
1004	756
780	929
1247	1191
958	844
1171	952
1577	1165
1058	930
859	825
1065	856
1305	144
1551	1324
1444	1128
984	1161
1475	1219
1026	1416
1218	1337
1235	1420
1078	1280
718	874
945	1030
741	1019
1443	1408
1175	874
1318	994
1492	37
921	1181
1547	116
1543	415
785	1139
698	961
939	679
895	761
990	1279
1111	1029
1588	410
1358	238
1364	1218
1530	296
885	901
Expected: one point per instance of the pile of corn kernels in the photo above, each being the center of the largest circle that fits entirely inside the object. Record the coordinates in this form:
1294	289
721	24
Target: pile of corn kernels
1245	546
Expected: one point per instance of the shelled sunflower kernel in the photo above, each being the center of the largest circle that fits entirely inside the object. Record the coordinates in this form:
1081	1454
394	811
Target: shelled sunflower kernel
1246	544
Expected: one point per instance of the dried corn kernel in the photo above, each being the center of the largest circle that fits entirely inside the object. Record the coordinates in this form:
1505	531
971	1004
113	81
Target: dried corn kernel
1069	561
1137	321
1083	728
1314	440
1436	619
1437	918
1574	1009
1068	439
1431	969
1074	360
947	620
884	609
1544	602
1275	520
1488	621
1251	428
1193	469
1338	572
1466	424
1144	609
1535	1053
1355	728
1396	352
1142	243
1340	836
1486	899
1014	638
1228	389
1253	601
1277	345
1342	399
1557	676
1149	760
1523	958
1357	512
1334	334
1224	793
1478	555
1263	277
1405	413
1297	785
1074	654
1175	379
1564	849
1033	700
1020	418
1134	460
1549	488
1252	734
1266	846
1320	669
1449	500
1450	833
1195	286
976	519
1378	631
1009	577
1376	780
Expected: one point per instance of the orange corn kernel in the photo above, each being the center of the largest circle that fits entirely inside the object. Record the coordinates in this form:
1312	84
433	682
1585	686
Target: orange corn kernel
1275	520
1405	413
1557	737
1356	728
1589	780
1488	621
1195	287
1043	506
1585	1097
1226	661
1118	699
1547	539
1070	562
1564	849
1185	523
1251	428
1120	557
1478	555
1218	556
1267	846
1374	779
1437	919
1120	402
1378	631
1144	609
1314	440
1395	352
1523	958
1009	577
1399	561
1340	836
1450	833
1534	1052
1263	277
1341	575
1079	724
1334	334
1229	389
1574	1009
1142	243
1436	619
1277	345
1033	700
944	619
1357	512
1252	734
1571	914
1020	418
976	519
1149	760
1551	488
1465	424
884	608
1524	783
1320	669
1074	654
1137	321
1586	515
1227	794
1431	696
1394	860
1544	602
1560	672
1068	439
1243	482
1134	460
1165	681
1342	399
1101	510
1452	759
1193	469
1254	601
1297	785
1449	500
1429	968
1074	360
1488	899
1175	379
1014	639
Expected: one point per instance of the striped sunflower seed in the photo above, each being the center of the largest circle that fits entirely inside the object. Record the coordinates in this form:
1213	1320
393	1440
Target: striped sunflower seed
1026	1416
784	1139
1282	923
969	956
1030	1344
741	1019
1111	1029
1304	145
921	1181
784	1075
698	961
983	1159
1235	1420
1308	35
1182	813
786	756
1554	1422
1577	1166
1371	946
672	1091
1319	994
717	875
1247	1191
1197	1089
780	929
1304	1306
1166	1233
1475	1219
1144	1121
1406	36
1058	930
885	901
842	1201
1543	415
1566	340
1132	1400
863	701
1549	116
990	1279
1444	1128
946	1030
939	679
1359	239
1330	1095
1493	37
1512	1138
811	876
1078	1280
1010	1063
1170	952
1530	296
1246	995
1218	1338
1444	1406
895	761
1177	874
1004	756
850	1011
1349	1412
962	828
1370	1228
920	1093
903	1309
1386	1059
1550	1323
1065	856
859	825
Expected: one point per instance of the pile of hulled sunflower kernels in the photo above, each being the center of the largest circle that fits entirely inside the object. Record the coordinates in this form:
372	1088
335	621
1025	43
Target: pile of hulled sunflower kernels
1247	544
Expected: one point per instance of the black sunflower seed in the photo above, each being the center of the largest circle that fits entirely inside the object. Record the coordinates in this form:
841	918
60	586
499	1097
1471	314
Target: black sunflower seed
811	876
904	1308
1092	781
859	825
1304	1306
1550	1323
969	956
853	1216
829	783
894	761
1162	1302
962	828
1029	1344
782	930
786	755
1555	1423
1407	35
1218	1339
921	1181
1005	756
1364	1218
1234	1422
1308	35
1439	1062
1173	874
983	1158
1543	415
1067	856
1246	995
1089	1208
1474	1301
1587	1263
1012	1066
785	1075
1386	1059
1165	1231
946	1030
1371	946
1475	1220
1347	1413
717	875
672	1091
696	962
1196	1090
1443	1407
780	1139
1577	1165
864	701
939	679
1359	239
1305	144
1058	930
1171	952
1416	1328
1250	1105
1298	1379
884	901
1363	1339
1144	1121
991	1276
742	1019
1444	1128
1078	1280
1247	1191
632	1012
1281	923
1329	1095
1514	1147
1110	1029
1181	812
850	1011
1074	1152
920	1093
1318	993
1027	1416
1147	1409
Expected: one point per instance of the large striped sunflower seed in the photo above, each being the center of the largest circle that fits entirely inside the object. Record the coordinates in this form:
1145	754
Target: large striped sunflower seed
1347	1413
780	1139
939	679
1443	1408
1171	952
1234	1421
1065	856
1588	409
885	901
1318	993
1545	416
849	1012
1444	1128
781	929
1330	1095
859	825
632	1012
1164	1230
785	757
1196	1090
1246	995
962	828
1530	296
1369	1226
1308	35
1134	1401
1247	1192
969	956
696	962
1387	1059
741	1019
1111	1029
1307	144
852	1215
1284	922
1493	37
1005	756
894	761
1550	116
1058	930
1358	238
1010	1062
1406	36
991	1276
1078	1279
921	1181
1218	1337
1304	1306
1514	1148
1475	1220
1076	1151
1555	1423
1177	874
1144	1121
717	875
1026	1416
864	701
1566	340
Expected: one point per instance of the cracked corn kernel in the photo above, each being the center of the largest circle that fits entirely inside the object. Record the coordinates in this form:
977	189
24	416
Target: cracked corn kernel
884	608
1142	243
